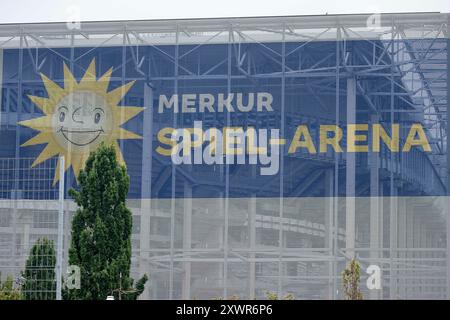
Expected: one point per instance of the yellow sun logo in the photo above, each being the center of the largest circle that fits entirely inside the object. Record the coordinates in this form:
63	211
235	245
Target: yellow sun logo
78	117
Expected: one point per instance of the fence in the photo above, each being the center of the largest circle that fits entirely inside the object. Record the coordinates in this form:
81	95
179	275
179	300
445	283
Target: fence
31	208
287	247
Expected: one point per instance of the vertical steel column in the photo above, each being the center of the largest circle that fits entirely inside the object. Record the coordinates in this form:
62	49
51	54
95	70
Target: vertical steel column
173	180
281	199
336	165
402	213
448	160
187	239
393	189
252	236
422	244
146	183
374	164
410	221
328	243
227	174
26	237
350	202
59	248
15	194
415	254
1	80
123	74
67	161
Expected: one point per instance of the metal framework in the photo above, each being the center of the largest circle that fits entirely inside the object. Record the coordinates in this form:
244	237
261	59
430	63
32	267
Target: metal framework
399	70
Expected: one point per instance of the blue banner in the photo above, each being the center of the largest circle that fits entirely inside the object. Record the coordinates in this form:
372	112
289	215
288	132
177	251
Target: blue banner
200	116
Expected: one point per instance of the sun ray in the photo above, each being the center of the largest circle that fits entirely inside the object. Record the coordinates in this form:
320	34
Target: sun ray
103	81
41	138
42	103
77	164
126	113
69	81
58	166
55	92
48	152
84	157
90	74
123	134
116	95
43	123
118	153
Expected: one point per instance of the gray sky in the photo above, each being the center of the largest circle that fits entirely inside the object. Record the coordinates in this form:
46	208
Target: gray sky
63	10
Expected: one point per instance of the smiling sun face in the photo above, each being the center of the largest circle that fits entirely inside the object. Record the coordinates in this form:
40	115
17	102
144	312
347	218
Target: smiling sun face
82	118
78	117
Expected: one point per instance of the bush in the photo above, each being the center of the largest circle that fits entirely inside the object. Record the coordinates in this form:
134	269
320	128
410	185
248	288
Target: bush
350	278
7	290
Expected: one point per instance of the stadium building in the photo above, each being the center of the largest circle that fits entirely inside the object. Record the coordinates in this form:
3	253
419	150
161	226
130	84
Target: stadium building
263	153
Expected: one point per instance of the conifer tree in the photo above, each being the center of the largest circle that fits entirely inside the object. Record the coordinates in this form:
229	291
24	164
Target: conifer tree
101	230
39	274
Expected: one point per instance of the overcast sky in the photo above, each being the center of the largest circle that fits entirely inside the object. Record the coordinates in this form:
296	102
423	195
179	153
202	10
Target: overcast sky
13	11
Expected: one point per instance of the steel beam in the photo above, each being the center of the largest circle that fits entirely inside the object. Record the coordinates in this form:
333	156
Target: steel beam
350	172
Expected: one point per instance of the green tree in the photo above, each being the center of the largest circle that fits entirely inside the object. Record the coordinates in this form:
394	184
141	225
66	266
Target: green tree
39	274
274	296
101	230
7	290
350	279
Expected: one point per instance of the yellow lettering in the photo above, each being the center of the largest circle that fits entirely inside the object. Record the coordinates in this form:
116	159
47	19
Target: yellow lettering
252	143
352	138
332	141
379	132
165	137
416	129
297	142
